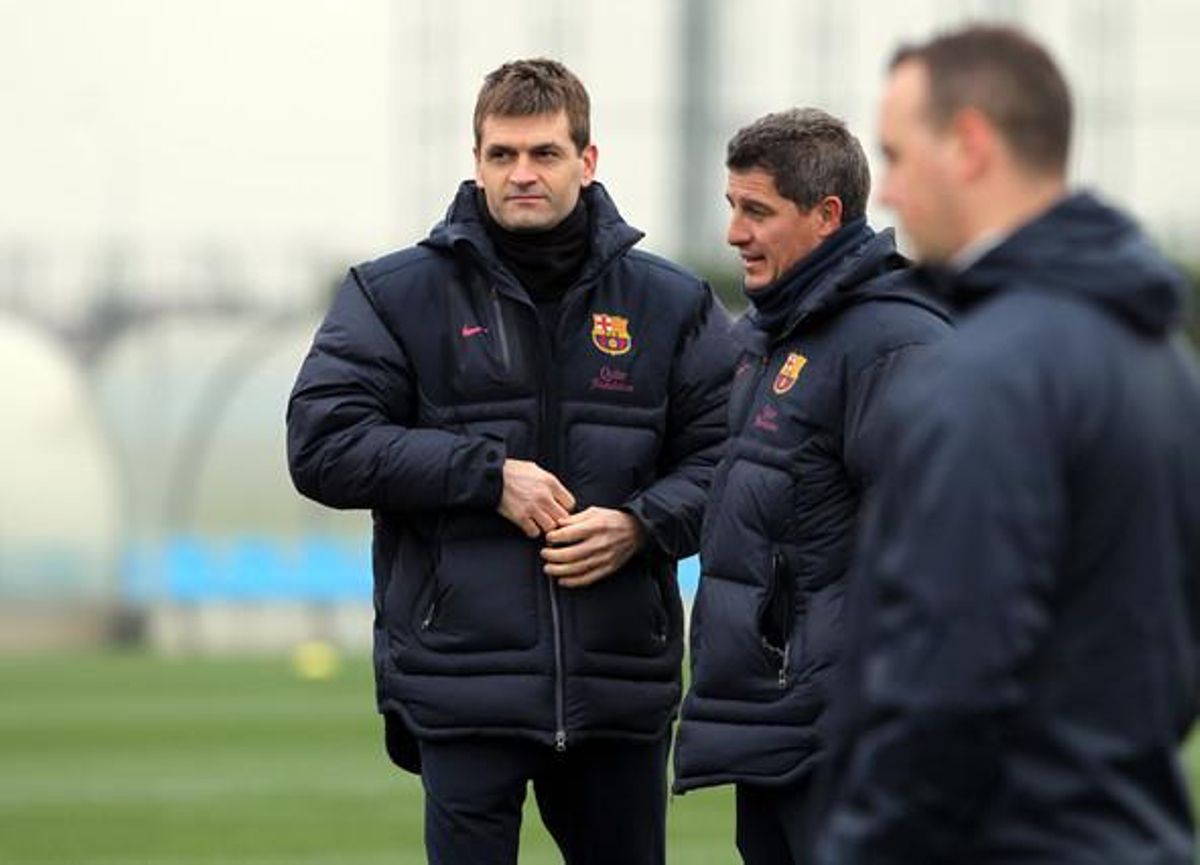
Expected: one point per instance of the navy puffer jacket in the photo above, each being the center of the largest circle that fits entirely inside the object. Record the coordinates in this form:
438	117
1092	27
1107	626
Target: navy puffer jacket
1026	617
806	442
430	369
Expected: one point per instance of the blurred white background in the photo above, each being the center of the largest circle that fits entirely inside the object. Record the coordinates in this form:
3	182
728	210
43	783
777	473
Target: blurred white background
182	183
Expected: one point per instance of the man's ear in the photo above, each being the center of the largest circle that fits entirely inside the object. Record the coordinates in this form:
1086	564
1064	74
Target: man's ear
478	178
975	141
590	156
829	214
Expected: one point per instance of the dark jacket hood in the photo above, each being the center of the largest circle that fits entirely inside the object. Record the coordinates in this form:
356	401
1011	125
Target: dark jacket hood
463	225
1086	248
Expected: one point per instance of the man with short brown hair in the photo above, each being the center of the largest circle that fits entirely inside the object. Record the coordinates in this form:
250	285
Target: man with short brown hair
1025	663
532	410
833	322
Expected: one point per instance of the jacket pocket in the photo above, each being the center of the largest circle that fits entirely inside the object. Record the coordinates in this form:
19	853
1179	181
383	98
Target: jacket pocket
483	593
484	351
777	617
404	562
742	638
625	613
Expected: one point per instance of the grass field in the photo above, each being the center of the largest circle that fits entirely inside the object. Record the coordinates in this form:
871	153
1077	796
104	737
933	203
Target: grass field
134	760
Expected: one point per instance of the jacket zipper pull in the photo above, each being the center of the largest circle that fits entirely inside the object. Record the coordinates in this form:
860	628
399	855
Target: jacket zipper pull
560	741
428	620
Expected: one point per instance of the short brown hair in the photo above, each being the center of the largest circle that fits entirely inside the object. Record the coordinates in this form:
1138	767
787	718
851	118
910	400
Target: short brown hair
809	154
537	86
1007	76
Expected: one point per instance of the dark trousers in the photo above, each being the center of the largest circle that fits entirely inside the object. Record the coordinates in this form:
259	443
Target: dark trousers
773	823
604	803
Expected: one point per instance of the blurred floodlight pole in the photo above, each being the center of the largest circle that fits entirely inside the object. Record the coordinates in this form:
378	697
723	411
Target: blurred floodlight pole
698	58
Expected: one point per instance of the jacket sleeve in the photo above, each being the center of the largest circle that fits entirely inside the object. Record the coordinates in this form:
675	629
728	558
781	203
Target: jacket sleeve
875	396
672	508
350	434
961	569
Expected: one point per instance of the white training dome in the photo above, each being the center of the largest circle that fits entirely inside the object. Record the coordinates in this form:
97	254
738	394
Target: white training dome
196	407
59	499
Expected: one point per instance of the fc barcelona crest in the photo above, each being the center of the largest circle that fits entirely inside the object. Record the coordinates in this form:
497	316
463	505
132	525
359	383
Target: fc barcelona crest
610	333
789	372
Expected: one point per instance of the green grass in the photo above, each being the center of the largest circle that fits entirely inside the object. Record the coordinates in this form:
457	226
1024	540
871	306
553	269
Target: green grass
135	760
120	759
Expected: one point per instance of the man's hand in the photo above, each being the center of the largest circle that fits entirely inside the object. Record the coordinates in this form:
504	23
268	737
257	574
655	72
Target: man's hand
533	499
590	545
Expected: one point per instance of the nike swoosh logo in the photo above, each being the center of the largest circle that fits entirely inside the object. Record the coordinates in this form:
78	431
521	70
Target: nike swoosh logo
468	330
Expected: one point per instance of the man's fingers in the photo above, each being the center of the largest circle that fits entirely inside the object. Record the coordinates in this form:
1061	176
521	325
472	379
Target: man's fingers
561	494
585	516
569	531
533	498
578	568
547	517
570	553
557	513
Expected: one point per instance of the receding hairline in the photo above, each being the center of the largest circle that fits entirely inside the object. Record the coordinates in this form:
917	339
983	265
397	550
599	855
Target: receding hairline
1006	76
913	63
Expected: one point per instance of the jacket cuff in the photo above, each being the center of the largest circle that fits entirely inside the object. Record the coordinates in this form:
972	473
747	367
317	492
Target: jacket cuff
652	544
476	474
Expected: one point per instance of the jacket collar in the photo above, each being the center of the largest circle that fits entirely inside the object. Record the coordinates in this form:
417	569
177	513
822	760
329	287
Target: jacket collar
844	283
1084	248
462	231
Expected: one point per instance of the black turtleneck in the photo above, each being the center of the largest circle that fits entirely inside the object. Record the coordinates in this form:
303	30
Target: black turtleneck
775	303
546	262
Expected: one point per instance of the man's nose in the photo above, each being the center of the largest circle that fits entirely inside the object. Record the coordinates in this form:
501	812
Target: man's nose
522	173
886	195
736	234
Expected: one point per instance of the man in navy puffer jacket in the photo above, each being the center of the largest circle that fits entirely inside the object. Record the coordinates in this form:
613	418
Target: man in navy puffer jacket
532	410
1024	660
833	323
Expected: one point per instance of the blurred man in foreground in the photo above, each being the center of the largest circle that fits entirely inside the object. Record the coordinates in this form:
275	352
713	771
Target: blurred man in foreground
1025	645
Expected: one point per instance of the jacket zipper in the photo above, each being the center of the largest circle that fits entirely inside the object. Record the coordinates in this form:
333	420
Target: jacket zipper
782	656
548	452
778	569
438	590
560	732
547	448
503	331
555	613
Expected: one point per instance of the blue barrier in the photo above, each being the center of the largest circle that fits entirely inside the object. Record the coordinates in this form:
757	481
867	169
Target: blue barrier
256	568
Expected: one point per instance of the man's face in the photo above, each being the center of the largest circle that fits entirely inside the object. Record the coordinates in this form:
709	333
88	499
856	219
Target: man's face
530	171
919	181
770	232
